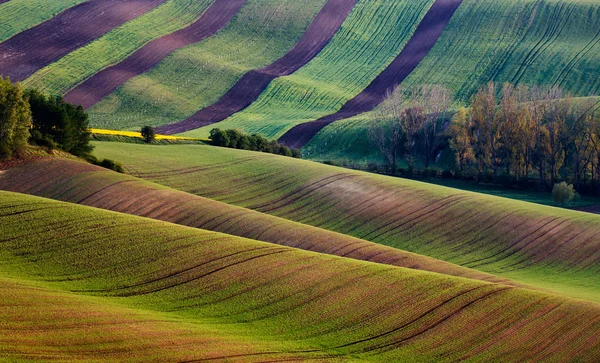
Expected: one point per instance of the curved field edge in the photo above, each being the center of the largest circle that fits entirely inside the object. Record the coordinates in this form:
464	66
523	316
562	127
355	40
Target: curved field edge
85	184
542	246
330	306
74	68
200	74
19	15
371	37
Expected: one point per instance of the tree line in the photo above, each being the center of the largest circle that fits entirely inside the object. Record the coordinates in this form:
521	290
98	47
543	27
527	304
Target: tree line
238	140
28	116
508	133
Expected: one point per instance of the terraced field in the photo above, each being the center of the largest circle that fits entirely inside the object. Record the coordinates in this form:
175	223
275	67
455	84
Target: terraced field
369	40
28	51
253	300
19	15
537	245
200	74
71	70
81	183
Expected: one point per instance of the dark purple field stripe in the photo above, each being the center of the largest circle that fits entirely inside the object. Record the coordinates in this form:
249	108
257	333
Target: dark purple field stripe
424	38
107	81
28	51
4	1
253	83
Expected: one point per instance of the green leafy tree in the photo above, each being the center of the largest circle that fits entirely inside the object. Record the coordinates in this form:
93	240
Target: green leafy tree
563	193
15	118
148	134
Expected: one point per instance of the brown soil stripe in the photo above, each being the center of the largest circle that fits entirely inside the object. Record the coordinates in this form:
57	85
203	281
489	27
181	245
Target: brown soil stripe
107	81
252	84
26	52
425	37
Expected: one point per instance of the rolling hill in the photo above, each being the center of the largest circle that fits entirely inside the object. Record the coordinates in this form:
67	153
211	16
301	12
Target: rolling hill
242	75
254	300
547	247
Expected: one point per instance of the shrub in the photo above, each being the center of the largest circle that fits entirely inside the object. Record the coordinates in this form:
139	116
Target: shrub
563	193
148	134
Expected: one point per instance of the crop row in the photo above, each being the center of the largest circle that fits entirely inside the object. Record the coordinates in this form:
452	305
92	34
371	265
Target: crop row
198	75
531	42
371	37
64	74
306	304
19	15
75	182
513	239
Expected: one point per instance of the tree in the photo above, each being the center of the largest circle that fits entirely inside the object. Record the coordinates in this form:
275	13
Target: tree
563	193
15	118
387	133
486	124
460	138
64	123
219	137
148	134
434	102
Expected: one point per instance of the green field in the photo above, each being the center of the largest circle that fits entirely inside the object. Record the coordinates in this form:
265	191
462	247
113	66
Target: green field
198	75
551	42
512	239
19	15
127	280
82	183
371	37
68	72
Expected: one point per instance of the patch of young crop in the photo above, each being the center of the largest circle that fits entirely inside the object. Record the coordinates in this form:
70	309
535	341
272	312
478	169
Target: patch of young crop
19	15
198	75
500	236
530	42
66	73
284	301
370	38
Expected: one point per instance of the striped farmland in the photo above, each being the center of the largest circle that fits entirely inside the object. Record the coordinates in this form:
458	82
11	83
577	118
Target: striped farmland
537	245
280	303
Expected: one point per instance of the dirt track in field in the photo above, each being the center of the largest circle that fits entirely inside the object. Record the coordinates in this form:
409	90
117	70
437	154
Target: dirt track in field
105	82
27	52
253	83
425	37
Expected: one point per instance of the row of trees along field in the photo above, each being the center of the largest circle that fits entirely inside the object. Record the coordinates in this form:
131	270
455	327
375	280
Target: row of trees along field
507	134
27	115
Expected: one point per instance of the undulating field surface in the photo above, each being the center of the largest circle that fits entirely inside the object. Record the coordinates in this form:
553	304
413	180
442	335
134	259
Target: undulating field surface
552	42
251	300
26	52
82	183
546	247
108	80
253	83
64	74
369	40
424	38
19	15
199	75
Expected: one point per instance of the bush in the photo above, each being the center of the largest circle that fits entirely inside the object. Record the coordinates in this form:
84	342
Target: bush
238	140
563	193
106	163
148	134
38	139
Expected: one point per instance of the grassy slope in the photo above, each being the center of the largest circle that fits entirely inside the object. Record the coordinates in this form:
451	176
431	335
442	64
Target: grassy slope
557	42
547	247
292	302
19	15
198	75
372	36
82	183
63	75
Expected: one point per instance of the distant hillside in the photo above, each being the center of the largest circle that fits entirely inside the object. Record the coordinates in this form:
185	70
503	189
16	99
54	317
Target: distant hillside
284	63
